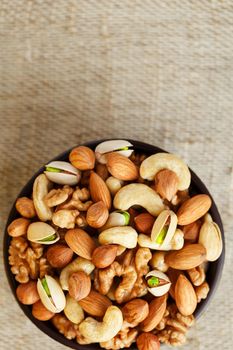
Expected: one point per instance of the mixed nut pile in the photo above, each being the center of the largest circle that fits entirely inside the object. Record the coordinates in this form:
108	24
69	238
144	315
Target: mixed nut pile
112	249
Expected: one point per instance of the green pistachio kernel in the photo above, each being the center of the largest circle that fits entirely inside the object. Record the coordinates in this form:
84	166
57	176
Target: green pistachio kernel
161	235
124	148
48	239
52	170
45	286
126	217
153	281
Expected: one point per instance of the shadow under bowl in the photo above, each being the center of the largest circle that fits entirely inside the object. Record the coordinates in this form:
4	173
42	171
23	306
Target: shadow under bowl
213	274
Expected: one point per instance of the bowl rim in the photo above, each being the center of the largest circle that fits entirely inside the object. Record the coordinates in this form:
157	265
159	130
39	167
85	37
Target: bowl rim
47	326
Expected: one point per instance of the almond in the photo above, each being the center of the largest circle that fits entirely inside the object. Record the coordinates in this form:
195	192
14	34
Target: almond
82	158
80	242
18	227
173	276
148	341
40	312
135	311
191	231
156	311
193	209
121	167
104	255
186	258
79	285
144	223
25	207
185	296
95	304
59	255
99	190
27	293
166	183
97	215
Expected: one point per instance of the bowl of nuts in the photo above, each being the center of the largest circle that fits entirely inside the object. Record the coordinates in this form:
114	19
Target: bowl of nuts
114	244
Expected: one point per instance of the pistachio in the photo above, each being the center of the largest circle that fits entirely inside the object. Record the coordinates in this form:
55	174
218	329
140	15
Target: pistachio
117	218
175	243
158	283
40	232
62	173
164	228
211	238
120	146
51	294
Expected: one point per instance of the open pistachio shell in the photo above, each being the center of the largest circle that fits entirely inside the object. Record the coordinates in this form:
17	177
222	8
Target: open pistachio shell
211	238
119	146
116	218
40	232
68	174
56	301
160	224
160	281
175	243
73	310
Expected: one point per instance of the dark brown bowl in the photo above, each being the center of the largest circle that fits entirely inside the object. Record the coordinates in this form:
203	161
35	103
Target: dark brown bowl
213	274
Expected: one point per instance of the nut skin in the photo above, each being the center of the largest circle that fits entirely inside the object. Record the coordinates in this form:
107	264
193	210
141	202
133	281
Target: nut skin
79	285
121	167
59	255
148	341
186	258
144	223
97	215
97	308
18	227
25	207
82	158
27	293
102	171
99	190
193	209
166	184
40	312
80	242
135	311
185	296
156	311
104	255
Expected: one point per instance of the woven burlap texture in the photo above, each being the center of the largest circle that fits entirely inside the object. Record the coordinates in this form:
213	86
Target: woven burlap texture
156	71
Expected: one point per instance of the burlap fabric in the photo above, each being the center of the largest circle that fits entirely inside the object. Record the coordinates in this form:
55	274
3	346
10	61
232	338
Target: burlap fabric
156	71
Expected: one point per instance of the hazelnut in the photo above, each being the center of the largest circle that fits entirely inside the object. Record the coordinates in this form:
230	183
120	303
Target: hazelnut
25	207
79	285
59	255
40	312
27	293
18	227
148	341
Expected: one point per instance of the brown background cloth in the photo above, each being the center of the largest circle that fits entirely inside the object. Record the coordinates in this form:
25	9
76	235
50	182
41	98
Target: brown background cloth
156	71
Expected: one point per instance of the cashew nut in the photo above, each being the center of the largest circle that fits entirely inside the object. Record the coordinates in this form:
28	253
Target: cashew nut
138	194
157	262
95	332
78	264
125	236
73	310
176	242
159	161
41	188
